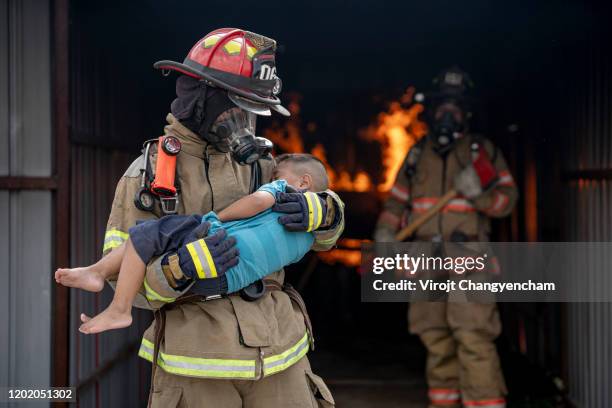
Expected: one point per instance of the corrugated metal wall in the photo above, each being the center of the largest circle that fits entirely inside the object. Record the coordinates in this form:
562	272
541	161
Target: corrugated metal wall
26	216
106	121
105	366
588	217
104	124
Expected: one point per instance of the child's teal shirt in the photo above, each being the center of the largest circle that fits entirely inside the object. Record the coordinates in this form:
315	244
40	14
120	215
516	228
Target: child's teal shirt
265	246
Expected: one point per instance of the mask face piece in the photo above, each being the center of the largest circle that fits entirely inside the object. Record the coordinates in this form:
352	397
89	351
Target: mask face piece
446	130
234	131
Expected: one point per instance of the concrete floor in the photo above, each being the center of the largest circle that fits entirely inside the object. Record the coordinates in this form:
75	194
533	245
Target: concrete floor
362	381
376	394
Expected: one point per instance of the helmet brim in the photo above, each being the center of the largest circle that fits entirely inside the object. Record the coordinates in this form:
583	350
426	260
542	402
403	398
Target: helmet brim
220	79
256	107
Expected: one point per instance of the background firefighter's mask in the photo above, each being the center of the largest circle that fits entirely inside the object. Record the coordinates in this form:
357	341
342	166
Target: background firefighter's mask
448	126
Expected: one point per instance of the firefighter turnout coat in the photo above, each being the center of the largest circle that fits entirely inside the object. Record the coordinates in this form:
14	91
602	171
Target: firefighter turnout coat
227	338
433	176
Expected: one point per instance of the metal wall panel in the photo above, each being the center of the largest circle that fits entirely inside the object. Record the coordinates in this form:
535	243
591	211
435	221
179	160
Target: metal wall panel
30	287
26	240
124	380
588	158
4	94
4	288
30	88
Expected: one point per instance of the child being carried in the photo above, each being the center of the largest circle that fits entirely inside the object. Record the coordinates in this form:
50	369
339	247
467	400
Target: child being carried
264	245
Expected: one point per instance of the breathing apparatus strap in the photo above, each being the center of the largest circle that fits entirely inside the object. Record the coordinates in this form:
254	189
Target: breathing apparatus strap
255	177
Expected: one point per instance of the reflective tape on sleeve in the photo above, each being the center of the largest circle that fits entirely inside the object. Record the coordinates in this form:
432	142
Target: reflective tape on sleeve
202	259
199	367
280	362
400	193
315	212
505	179
114	238
500	200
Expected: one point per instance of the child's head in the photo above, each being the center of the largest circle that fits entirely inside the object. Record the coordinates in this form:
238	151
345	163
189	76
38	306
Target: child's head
302	171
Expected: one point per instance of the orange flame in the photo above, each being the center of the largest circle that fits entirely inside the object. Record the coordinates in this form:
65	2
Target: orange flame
396	130
342	180
288	137
347	253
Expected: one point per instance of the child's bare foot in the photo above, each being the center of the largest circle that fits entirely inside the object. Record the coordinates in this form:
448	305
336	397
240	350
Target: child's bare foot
83	278
111	318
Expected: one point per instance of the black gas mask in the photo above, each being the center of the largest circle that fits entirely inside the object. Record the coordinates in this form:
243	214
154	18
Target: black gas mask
234	131
208	112
446	130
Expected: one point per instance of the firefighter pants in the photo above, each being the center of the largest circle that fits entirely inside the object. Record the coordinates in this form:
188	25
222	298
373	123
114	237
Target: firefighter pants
295	387
462	361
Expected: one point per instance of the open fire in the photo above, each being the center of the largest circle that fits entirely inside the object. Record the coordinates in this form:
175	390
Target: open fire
396	130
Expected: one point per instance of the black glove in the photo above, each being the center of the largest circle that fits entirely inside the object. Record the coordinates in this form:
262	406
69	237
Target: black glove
305	211
208	257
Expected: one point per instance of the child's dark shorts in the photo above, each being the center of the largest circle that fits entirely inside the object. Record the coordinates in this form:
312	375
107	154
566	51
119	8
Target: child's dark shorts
154	238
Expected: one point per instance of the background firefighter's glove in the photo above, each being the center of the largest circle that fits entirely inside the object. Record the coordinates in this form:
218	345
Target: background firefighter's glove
467	183
304	211
208	257
477	177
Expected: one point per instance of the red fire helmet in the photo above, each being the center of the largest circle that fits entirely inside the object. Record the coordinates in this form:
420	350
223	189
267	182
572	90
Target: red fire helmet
239	61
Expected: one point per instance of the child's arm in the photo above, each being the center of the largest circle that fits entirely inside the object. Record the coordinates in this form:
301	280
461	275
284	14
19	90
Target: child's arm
247	206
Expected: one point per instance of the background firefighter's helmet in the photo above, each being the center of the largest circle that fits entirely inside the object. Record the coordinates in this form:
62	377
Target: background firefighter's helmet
239	61
450	85
453	81
453	85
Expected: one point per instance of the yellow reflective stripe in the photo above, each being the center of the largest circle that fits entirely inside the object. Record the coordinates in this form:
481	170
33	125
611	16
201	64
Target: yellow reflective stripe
209	259
310	212
199	367
153	295
319	213
281	362
114	238
145	350
196	260
116	233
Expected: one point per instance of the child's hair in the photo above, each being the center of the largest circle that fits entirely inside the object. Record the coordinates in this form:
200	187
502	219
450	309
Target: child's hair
306	163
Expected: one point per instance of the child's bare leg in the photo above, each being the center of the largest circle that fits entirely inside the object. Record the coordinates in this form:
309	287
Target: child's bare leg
91	278
118	314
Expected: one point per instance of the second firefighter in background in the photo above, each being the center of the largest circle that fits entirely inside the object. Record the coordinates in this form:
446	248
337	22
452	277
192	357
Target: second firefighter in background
462	362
